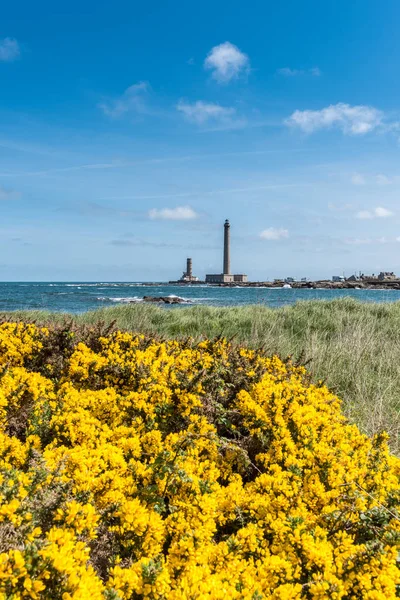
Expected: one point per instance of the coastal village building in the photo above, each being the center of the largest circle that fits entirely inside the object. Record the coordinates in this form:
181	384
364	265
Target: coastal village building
386	276
383	276
226	276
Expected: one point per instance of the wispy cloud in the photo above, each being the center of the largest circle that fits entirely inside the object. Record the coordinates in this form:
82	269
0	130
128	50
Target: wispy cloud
215	192
354	120
27	147
383	180
129	241
377	213
119	164
272	234
134	99
94	209
353	241
205	112
123	243
364	214
227	62
9	50
180	213
93	166
357	179
288	72
6	194
340	207
369	241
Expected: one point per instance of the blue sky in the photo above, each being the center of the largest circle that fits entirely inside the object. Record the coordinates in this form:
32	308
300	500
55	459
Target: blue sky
129	132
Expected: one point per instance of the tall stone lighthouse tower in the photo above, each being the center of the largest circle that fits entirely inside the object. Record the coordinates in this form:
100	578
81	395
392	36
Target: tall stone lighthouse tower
226	276
227	249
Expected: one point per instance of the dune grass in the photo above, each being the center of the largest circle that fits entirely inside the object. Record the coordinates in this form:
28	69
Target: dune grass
353	347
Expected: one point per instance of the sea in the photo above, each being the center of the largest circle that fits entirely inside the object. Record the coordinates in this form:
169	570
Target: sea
78	297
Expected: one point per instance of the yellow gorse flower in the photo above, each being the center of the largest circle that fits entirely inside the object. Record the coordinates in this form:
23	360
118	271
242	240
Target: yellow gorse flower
136	468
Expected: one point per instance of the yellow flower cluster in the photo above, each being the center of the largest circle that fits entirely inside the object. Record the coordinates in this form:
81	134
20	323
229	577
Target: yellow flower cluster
133	468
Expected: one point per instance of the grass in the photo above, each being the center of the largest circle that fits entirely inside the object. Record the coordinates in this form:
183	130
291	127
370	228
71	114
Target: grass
353	347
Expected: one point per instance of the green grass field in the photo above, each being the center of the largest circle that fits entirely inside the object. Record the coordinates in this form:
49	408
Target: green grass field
353	347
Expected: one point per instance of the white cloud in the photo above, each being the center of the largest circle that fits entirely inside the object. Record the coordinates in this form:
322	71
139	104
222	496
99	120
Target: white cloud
378	212
9	50
355	120
226	62
383	180
180	213
382	212
357	179
288	72
274	234
132	100
201	112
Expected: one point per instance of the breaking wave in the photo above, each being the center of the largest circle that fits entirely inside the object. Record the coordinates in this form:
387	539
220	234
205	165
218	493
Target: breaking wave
128	299
137	299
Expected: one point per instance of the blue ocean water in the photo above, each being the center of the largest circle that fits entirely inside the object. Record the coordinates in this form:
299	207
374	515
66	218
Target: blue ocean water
80	297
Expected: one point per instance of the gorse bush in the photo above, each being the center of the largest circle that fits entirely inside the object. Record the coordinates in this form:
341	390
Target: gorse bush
132	468
352	346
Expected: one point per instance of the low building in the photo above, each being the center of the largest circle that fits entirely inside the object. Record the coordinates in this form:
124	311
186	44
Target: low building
337	278
240	278
219	278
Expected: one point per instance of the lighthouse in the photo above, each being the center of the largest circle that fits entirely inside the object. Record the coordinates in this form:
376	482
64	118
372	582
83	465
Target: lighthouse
227	249
226	276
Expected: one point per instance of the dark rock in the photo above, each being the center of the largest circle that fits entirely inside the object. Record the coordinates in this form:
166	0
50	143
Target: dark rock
165	299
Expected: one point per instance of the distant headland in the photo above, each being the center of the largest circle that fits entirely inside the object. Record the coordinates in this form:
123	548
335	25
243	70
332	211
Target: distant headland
385	279
364	284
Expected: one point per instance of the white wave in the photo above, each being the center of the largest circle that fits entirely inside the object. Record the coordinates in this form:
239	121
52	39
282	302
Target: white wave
126	299
133	299
181	298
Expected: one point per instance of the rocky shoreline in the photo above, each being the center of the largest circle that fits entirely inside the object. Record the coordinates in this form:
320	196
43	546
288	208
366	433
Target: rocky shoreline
321	284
